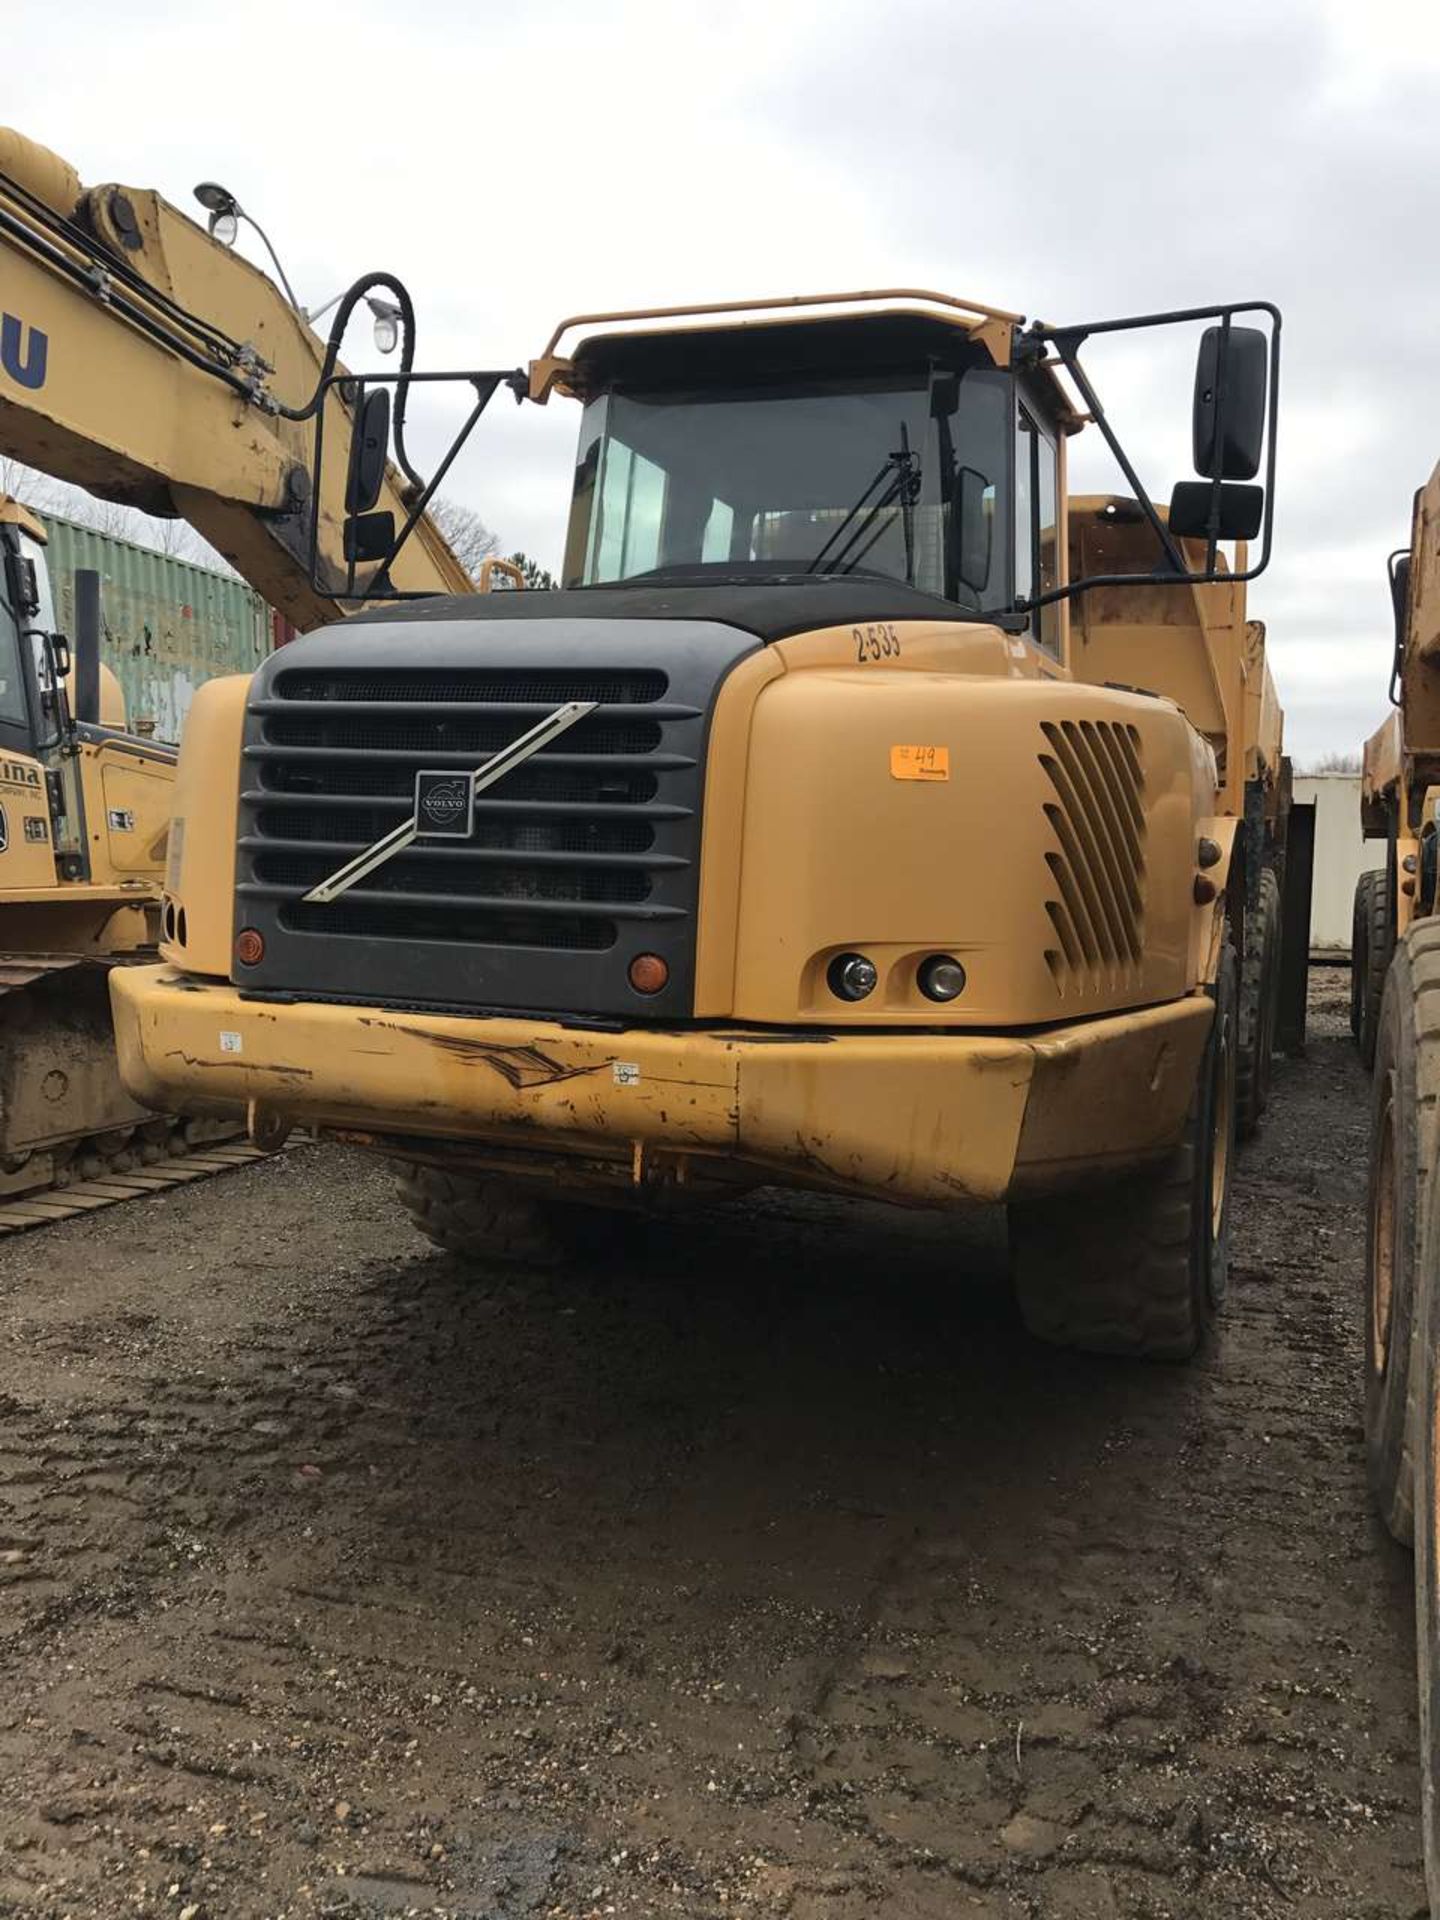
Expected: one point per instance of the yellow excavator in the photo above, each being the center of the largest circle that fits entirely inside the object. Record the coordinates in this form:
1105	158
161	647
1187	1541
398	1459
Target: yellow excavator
143	360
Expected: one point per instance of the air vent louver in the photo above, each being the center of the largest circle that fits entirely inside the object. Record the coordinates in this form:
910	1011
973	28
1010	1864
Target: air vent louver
1097	855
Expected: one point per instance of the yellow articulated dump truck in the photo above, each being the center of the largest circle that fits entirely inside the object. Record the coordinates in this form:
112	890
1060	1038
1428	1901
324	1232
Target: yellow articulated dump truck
1396	1000
141	359
1400	773
802	838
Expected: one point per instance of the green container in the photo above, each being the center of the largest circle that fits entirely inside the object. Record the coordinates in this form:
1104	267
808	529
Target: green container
168	626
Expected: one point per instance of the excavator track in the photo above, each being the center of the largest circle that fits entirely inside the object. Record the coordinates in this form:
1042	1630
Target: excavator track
71	1139
40	1208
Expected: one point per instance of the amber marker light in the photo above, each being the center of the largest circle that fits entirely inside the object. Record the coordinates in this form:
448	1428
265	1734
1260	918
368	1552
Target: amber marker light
648	973
249	947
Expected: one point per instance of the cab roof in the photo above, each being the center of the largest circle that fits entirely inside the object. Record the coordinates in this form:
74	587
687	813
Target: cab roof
890	326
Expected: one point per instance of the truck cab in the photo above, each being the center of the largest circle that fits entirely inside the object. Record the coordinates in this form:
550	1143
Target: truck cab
884	449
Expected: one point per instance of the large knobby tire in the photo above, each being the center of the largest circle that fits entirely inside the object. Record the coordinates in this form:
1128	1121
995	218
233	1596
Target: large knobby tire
1402	1148
1425	1438
490	1220
1372	941
1139	1266
1259	1006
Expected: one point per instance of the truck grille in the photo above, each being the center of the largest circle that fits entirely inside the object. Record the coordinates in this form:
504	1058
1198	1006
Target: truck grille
588	849
1096	860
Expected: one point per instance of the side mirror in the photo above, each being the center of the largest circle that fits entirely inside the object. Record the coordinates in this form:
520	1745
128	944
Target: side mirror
1241	510
369	536
1400	593
22	586
974	528
1231	376
369	448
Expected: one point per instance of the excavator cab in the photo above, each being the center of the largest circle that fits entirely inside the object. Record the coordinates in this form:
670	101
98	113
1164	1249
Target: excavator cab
84	811
83	802
36	848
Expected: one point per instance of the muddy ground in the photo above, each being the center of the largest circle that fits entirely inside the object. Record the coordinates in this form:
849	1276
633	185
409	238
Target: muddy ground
774	1574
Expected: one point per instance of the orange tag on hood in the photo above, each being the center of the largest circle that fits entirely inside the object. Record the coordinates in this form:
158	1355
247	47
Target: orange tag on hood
919	763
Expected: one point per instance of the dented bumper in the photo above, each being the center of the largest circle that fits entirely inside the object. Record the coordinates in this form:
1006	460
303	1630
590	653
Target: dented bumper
922	1117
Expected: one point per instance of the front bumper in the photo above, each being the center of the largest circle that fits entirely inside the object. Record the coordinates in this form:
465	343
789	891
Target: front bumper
929	1118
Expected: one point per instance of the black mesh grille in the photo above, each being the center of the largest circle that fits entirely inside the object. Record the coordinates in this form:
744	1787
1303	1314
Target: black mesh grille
440	735
569	786
588	844
358	826
524	687
474	926
460	878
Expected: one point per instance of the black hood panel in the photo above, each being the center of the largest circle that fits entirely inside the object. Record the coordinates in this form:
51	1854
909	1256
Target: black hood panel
768	609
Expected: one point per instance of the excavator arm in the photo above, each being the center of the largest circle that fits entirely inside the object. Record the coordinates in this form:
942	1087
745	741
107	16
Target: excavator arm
145	362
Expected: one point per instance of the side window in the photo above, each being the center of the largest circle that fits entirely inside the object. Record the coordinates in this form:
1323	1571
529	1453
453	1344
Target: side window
632	506
1037	523
719	532
1024	505
13	709
1047	533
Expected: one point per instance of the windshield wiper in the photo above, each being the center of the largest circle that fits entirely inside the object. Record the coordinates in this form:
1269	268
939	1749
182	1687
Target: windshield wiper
899	479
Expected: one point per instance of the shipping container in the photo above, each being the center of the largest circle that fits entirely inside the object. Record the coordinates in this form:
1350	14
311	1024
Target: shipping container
1342	854
168	626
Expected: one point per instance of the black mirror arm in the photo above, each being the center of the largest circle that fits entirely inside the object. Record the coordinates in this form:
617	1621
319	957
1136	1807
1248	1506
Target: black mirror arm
419	497
1067	345
485	385
1066	341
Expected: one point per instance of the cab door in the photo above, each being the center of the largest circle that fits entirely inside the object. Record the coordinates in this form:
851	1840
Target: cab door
27	854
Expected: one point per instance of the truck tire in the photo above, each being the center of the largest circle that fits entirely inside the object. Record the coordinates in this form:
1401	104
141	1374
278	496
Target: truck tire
1372	942
1426	1443
1139	1266
1259	1007
1402	1128
493	1220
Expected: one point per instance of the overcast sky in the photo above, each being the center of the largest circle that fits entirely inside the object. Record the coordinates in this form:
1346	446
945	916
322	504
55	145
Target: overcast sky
1072	160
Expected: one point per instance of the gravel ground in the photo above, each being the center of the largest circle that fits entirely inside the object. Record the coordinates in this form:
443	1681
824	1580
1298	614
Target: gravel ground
774	1573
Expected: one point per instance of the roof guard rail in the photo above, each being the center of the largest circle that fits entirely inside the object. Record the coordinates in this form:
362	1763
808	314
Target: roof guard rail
552	365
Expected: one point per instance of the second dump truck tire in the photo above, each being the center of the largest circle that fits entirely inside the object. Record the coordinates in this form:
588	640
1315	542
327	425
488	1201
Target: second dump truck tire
482	1219
1425	1436
1403	1100
1259	1006
1139	1266
1371	944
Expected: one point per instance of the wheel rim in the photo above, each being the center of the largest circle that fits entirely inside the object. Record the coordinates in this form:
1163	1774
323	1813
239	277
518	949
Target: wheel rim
1223	1127
1382	1245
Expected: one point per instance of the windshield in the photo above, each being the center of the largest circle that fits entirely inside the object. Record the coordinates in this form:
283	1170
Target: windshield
902	474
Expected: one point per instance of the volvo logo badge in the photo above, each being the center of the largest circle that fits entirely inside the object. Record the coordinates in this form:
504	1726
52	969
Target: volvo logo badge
444	805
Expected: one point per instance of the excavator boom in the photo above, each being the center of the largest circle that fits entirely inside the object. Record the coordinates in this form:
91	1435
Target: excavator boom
143	361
